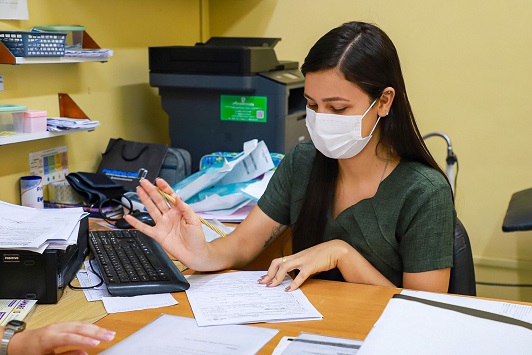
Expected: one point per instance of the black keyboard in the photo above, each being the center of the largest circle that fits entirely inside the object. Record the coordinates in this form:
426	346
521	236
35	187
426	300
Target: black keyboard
131	263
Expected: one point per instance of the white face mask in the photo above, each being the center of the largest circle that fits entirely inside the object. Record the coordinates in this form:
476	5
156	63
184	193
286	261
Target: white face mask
338	136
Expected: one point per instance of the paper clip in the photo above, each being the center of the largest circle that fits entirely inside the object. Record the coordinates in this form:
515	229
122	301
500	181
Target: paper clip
142	173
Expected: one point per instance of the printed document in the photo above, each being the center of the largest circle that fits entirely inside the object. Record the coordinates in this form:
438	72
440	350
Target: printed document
170	334
237	298
418	326
26	228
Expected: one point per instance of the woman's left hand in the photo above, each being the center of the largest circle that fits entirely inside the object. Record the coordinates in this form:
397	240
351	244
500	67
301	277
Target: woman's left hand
319	258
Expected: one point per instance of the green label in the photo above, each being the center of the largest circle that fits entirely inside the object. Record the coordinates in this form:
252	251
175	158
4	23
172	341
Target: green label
243	108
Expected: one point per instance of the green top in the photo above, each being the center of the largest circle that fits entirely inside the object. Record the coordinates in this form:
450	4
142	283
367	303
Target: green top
408	226
12	108
61	28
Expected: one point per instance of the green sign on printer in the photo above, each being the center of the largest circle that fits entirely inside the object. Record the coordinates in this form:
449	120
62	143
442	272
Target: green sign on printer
243	108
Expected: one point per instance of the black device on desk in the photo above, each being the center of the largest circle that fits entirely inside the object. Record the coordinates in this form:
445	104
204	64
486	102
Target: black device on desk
131	263
29	275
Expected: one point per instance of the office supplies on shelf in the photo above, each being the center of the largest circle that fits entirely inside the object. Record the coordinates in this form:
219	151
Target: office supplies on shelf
34	44
415	325
171	334
57	124
19	309
133	264
237	298
208	224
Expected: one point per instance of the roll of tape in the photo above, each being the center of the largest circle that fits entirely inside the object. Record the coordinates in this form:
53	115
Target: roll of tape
62	192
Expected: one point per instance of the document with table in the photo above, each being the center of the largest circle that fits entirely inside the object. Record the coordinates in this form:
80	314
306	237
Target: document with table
237	298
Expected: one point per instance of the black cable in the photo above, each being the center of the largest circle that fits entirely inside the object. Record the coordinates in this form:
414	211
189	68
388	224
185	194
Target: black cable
119	202
88	287
456	177
500	284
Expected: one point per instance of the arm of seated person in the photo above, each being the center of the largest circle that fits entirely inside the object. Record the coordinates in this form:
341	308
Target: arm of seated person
46	339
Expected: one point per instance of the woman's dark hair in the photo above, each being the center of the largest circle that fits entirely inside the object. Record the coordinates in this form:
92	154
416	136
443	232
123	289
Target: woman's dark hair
366	56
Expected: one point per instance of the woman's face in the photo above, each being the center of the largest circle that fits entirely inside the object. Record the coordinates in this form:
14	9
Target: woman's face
328	91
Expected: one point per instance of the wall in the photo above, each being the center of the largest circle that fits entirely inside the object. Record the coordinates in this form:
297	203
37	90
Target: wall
116	93
467	69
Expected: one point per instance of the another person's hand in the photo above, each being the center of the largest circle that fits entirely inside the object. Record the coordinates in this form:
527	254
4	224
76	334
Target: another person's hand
177	228
46	339
319	258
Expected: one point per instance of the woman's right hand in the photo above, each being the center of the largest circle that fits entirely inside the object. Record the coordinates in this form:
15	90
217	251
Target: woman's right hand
177	227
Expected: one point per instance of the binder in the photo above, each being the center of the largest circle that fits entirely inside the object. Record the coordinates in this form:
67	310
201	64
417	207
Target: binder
414	325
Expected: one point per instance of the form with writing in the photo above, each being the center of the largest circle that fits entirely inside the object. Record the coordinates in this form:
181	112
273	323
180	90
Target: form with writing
237	298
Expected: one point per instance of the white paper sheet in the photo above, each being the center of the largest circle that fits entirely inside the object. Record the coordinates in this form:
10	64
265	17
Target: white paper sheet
237	298
517	311
414	328
31	228
180	335
13	9
87	278
134	303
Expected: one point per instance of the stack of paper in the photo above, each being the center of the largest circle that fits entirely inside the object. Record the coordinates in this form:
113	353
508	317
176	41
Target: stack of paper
89	53
56	124
33	229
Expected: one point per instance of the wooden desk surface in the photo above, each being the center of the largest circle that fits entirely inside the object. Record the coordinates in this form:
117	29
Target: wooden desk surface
349	311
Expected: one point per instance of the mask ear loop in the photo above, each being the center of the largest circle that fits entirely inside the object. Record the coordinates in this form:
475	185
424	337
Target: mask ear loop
378	118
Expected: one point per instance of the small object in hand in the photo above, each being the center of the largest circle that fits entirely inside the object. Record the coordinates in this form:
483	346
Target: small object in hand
208	224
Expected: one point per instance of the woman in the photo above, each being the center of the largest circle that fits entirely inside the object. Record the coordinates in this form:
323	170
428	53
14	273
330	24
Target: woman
366	201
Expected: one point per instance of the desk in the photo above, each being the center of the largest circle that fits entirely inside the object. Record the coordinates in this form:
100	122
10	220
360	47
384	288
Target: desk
349	311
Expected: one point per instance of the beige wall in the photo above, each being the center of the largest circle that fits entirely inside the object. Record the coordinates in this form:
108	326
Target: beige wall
115	93
467	70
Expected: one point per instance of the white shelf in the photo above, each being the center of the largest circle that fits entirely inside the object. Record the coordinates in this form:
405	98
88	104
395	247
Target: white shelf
58	60
26	137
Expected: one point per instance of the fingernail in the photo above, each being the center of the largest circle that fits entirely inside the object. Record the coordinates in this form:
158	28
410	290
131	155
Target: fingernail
287	288
94	342
109	335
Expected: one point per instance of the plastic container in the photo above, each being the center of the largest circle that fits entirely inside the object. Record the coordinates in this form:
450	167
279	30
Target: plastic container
11	117
34	44
33	121
74	34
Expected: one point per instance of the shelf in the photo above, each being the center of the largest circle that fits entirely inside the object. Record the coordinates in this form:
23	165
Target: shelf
67	108
26	137
6	57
